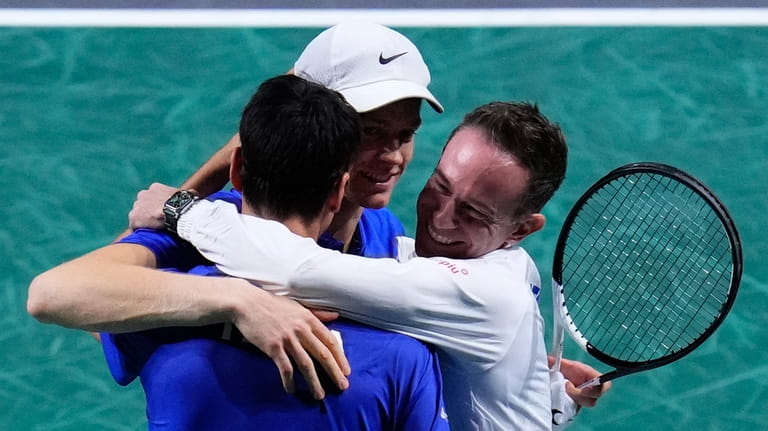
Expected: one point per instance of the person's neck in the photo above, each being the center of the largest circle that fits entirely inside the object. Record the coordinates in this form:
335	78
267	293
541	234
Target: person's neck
345	222
295	224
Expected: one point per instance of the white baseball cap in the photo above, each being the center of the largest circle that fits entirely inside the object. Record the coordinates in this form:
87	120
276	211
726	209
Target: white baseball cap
369	64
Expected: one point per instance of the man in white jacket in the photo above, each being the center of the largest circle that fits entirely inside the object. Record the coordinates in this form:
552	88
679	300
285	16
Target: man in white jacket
470	290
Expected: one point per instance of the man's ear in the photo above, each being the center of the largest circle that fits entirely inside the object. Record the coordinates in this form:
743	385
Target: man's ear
236	167
337	194
522	229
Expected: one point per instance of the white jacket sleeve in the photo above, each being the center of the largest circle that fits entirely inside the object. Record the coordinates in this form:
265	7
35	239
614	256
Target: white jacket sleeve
455	304
564	409
266	254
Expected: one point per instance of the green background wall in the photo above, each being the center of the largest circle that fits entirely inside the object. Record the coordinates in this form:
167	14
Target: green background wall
91	116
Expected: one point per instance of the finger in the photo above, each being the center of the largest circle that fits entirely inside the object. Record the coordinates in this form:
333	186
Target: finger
307	368
330	355
331	340
324	315
579	395
596	391
321	342
286	370
337	350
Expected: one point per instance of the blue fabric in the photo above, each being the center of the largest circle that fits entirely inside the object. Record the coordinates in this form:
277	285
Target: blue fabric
375	235
195	383
195	380
169	250
378	230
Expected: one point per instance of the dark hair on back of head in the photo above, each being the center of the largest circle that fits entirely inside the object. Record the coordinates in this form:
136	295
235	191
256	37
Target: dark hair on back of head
297	139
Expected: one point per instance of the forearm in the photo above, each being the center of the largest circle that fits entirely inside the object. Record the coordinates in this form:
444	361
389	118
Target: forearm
267	253
214	174
422	297
115	289
419	298
265	256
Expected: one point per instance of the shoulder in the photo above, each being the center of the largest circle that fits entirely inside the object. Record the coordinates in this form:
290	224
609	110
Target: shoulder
382	219
149	237
382	359
508	281
376	345
514	263
231	196
378	229
170	251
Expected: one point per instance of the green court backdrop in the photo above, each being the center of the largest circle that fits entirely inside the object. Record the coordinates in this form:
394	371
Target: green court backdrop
90	116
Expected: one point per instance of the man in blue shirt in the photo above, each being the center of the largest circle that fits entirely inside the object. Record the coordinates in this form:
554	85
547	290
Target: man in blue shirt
208	377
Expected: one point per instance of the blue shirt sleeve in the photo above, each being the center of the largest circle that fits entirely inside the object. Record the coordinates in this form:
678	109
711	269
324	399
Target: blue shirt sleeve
170	250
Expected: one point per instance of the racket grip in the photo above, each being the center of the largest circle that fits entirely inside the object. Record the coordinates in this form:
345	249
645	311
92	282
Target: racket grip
590	383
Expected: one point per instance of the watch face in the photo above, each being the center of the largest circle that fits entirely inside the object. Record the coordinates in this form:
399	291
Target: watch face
179	199
175	206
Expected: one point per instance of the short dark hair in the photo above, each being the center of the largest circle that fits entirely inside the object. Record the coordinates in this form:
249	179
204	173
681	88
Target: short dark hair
297	138
520	130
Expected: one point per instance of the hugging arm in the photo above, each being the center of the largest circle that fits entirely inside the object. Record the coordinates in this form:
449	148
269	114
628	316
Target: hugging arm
404	297
117	289
212	176
421	297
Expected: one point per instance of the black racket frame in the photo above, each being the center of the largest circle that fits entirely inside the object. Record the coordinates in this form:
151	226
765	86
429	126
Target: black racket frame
628	367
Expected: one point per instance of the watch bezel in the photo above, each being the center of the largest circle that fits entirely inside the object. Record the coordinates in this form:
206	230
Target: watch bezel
176	205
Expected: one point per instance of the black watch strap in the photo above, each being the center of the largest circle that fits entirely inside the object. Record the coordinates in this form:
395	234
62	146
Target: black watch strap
179	203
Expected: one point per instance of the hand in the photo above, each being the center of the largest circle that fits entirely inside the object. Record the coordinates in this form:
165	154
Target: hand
577	373
147	210
284	330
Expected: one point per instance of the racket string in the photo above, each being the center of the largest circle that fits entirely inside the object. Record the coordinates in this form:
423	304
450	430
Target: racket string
662	217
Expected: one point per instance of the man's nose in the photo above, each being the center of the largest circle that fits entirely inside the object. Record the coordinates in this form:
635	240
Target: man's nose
443	217
392	155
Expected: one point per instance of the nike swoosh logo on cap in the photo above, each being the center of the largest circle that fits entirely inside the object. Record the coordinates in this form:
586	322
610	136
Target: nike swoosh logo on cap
386	60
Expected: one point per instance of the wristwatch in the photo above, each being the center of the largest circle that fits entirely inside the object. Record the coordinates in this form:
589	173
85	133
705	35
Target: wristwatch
179	203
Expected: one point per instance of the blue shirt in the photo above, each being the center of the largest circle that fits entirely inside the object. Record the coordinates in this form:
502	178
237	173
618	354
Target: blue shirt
195	379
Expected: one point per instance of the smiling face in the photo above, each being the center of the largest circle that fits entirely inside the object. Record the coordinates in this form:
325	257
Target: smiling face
386	150
466	208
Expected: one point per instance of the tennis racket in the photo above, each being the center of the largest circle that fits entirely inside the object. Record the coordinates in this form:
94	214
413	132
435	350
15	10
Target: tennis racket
646	267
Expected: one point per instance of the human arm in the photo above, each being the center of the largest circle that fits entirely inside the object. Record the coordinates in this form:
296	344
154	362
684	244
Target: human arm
434	300
147	211
431	299
214	174
116	289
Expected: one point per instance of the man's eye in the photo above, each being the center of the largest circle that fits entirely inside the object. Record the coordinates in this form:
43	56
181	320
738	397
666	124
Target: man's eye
475	214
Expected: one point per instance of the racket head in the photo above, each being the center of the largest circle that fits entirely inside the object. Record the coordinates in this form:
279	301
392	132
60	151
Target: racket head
645	248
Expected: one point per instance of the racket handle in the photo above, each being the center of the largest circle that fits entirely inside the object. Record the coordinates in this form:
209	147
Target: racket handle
597	381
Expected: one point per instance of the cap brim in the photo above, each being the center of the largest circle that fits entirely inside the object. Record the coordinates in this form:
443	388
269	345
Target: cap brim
375	95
